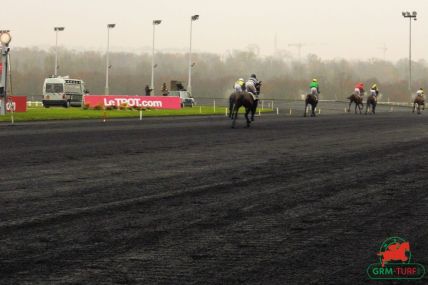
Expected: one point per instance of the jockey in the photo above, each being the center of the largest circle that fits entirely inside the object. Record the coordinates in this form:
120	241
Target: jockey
239	85
420	93
359	89
251	84
314	88
374	91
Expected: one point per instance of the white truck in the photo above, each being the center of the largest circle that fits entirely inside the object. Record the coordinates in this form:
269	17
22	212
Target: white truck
63	91
177	90
186	98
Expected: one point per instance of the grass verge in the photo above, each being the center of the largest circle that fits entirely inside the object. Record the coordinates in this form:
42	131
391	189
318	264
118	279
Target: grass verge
60	113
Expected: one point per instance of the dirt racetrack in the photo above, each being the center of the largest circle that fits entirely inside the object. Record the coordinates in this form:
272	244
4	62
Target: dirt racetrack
291	200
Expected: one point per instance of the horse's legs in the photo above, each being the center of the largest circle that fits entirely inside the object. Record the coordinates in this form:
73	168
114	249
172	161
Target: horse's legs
247	111
314	106
254	109
306	109
414	107
374	108
234	115
232	112
349	108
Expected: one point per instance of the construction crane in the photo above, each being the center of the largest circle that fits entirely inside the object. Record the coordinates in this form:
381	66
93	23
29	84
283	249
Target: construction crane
299	47
384	50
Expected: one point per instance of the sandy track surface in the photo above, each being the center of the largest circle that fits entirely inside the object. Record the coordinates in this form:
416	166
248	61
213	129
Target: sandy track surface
192	201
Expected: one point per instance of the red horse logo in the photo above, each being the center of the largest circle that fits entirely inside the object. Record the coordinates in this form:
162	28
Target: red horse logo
395	252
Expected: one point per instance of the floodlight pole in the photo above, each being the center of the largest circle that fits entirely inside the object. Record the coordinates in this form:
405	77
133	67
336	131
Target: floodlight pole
410	55
411	16
189	84
5	68
109	26
155	22
57	30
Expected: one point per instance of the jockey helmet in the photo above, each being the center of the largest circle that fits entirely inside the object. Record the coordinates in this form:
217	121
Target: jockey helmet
421	89
314	80
374	86
241	79
253	76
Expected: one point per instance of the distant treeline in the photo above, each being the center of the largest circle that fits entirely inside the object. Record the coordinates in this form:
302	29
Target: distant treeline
213	75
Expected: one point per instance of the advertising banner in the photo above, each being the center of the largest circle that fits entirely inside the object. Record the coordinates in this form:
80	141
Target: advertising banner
16	103
154	102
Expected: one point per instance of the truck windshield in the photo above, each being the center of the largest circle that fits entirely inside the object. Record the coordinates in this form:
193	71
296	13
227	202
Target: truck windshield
73	88
54	88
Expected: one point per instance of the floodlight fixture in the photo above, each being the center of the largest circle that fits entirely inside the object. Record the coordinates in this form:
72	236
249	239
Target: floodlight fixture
5	37
195	17
157	22
111	26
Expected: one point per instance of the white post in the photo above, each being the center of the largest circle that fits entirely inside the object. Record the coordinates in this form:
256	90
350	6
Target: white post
410	58
109	26
277	111
153	63
107	91
141	114
214	105
189	84
57	29
12	108
155	22
4	60
226	111
56	53
263	104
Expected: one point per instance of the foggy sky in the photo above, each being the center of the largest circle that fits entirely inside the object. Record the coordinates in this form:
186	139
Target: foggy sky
331	28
